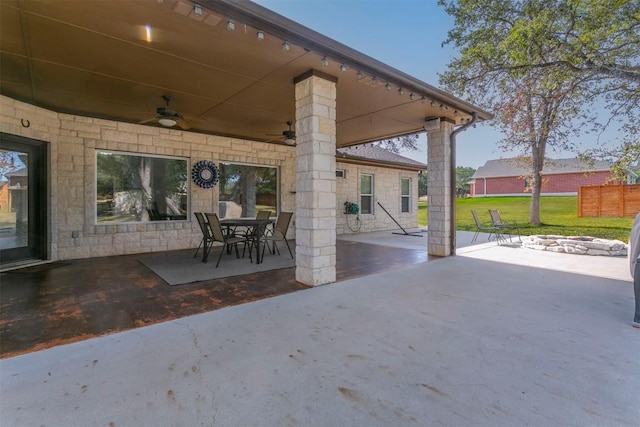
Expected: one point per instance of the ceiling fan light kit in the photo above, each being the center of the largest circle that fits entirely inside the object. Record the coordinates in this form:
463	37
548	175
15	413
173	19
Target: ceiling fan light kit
167	115
288	136
167	122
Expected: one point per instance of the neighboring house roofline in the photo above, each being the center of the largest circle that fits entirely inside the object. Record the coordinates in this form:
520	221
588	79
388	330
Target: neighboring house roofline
19	171
507	167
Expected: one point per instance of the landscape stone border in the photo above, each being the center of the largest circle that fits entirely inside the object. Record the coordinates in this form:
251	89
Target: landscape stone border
580	245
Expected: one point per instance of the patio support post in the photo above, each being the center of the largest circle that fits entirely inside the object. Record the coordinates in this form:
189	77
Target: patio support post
315	217
439	191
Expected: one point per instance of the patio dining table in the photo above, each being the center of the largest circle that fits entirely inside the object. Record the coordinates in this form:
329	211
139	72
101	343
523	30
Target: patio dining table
259	225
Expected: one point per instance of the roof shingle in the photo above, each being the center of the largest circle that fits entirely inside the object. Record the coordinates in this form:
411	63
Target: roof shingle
510	167
374	153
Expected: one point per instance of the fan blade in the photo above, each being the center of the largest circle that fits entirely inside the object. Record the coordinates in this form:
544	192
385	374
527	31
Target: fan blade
274	140
155	119
182	124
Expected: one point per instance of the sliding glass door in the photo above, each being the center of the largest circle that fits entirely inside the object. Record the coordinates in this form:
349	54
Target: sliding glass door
22	199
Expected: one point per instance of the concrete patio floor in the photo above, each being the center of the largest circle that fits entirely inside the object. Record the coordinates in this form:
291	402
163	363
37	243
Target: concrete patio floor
498	335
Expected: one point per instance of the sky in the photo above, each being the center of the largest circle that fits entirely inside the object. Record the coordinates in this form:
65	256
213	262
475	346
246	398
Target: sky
407	35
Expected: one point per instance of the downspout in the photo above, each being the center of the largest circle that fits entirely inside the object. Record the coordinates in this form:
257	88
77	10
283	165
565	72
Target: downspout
452	166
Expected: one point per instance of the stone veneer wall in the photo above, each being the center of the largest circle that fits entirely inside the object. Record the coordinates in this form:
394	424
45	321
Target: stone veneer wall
73	141
386	191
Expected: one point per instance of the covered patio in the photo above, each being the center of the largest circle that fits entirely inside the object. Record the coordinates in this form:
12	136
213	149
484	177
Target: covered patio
68	301
498	335
212	81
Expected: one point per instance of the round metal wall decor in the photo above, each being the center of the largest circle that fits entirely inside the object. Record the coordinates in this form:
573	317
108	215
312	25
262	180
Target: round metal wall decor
205	174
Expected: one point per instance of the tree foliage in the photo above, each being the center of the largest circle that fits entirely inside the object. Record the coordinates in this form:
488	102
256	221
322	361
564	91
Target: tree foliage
540	65
463	176
399	144
422	184
7	163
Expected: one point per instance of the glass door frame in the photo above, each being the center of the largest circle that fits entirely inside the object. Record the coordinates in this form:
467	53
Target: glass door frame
37	167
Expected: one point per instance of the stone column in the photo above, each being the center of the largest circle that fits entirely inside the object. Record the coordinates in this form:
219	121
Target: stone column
439	190
315	178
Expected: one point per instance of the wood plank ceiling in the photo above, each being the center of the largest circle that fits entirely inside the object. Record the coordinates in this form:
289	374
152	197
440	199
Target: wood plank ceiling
93	58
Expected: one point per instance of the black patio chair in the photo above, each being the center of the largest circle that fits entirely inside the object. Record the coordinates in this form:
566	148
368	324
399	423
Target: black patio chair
207	237
278	234
251	235
227	241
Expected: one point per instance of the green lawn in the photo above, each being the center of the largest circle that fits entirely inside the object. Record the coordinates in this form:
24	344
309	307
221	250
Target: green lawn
559	215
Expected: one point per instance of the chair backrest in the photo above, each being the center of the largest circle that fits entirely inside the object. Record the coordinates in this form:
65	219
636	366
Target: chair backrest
202	222
282	223
263	214
495	217
216	228
475	218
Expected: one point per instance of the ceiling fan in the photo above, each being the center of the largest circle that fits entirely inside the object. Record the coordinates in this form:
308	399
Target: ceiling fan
167	115
288	136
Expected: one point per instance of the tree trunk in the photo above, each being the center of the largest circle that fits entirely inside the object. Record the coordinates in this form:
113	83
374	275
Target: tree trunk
249	192
144	174
534	214
537	163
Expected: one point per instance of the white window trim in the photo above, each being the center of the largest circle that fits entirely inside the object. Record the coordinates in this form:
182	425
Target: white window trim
373	189
408	196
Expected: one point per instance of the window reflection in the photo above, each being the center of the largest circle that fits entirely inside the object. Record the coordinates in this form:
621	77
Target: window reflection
245	189
14	200
135	188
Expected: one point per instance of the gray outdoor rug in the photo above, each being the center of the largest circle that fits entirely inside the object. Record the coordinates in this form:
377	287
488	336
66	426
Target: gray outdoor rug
182	268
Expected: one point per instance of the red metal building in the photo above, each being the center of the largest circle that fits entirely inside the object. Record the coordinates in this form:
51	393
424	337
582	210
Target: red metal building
509	177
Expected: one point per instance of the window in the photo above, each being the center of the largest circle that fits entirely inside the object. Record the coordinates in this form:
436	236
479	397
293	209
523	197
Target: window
136	188
341	173
366	194
405	195
246	189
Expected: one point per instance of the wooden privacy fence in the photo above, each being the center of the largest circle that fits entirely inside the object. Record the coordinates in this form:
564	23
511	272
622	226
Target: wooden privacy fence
609	200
